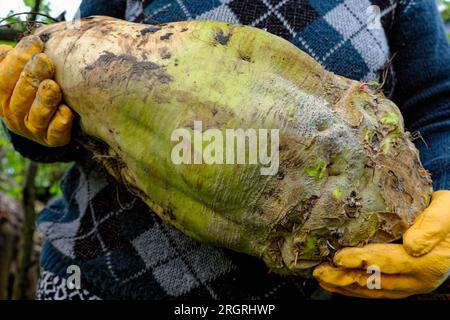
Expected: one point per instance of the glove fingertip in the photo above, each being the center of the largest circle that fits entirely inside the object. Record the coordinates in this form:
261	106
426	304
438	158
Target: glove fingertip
66	112
29	46
320	270
416	246
348	258
4	50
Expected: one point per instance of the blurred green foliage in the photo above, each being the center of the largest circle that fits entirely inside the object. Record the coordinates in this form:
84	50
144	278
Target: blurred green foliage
445	12
18	21
7	42
43	8
12	173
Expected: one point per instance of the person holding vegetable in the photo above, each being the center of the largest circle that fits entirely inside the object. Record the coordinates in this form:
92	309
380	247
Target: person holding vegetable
124	251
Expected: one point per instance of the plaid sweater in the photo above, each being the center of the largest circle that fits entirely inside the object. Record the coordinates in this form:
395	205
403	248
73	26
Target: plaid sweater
125	251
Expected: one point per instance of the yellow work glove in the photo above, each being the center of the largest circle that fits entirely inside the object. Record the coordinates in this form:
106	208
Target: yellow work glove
30	102
418	266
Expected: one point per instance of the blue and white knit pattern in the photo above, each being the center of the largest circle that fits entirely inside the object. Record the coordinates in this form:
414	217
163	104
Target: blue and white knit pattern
53	287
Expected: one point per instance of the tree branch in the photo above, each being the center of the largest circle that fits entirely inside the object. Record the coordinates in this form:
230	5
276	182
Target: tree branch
10	34
29	12
36	9
26	239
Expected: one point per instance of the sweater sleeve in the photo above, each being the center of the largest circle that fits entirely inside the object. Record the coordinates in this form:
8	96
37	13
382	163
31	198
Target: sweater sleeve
422	91
111	8
37	152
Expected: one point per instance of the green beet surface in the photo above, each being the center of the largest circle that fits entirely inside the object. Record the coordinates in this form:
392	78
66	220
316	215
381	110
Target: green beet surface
348	173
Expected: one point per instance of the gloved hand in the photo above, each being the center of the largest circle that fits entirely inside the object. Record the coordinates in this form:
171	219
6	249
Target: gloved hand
30	102
418	266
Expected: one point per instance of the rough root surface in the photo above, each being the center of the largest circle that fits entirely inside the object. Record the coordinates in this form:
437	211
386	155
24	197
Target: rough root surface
348	172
